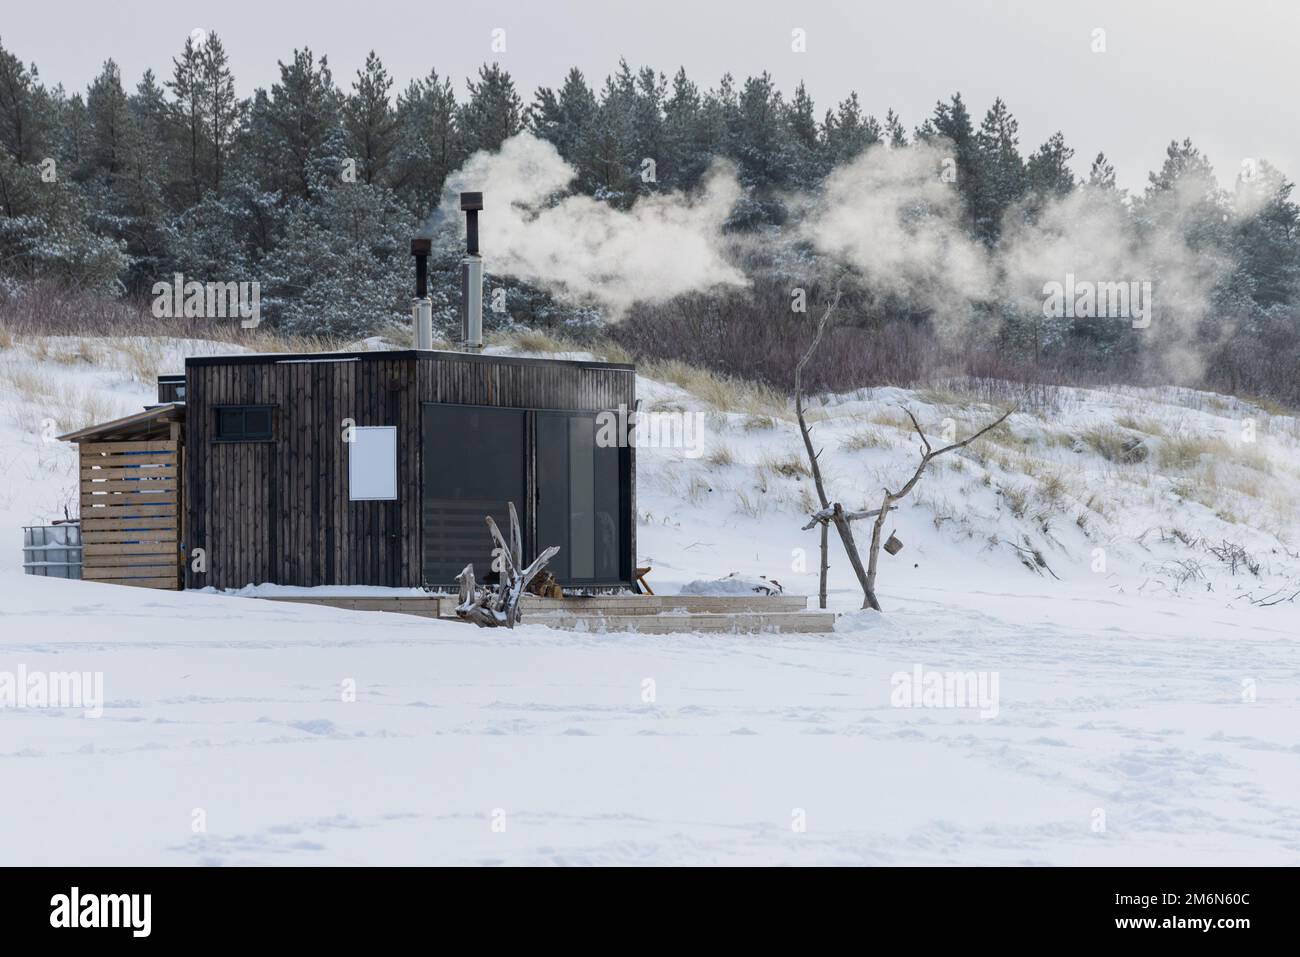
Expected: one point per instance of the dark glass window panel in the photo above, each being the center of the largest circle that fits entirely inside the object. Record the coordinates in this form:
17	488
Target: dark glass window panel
582	517
553	491
473	466
243	423
230	423
608	544
257	423
580	495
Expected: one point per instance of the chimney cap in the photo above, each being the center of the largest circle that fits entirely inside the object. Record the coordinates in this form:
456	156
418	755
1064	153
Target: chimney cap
421	246
470	201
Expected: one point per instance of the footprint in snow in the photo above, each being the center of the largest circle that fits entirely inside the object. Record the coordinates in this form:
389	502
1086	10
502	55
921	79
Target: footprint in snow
318	726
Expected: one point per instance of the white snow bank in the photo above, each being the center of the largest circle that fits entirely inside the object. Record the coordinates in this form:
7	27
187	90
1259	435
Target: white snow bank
864	620
733	584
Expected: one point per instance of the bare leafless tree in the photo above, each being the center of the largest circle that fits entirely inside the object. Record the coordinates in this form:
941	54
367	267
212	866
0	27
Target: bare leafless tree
833	513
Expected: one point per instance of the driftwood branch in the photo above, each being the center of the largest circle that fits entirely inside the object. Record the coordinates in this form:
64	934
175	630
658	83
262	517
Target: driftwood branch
498	606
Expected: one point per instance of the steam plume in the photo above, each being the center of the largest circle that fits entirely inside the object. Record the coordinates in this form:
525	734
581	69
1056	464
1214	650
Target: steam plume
586	250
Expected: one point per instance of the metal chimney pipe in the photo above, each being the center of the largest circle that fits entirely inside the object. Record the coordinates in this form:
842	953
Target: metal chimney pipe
422	305
420	249
471	303
471	277
422	320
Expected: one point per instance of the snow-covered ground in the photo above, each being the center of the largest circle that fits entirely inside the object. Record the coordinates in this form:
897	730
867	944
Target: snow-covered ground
1128	611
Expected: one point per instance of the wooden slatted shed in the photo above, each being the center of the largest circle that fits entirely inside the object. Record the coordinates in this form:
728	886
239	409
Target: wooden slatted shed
131	496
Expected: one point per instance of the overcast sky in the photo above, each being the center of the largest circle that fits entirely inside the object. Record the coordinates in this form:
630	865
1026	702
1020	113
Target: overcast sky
1227	74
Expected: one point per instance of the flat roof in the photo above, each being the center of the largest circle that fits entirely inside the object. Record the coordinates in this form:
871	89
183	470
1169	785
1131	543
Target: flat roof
442	355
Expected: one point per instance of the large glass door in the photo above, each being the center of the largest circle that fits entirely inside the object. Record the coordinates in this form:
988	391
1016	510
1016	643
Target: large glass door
579	494
474	464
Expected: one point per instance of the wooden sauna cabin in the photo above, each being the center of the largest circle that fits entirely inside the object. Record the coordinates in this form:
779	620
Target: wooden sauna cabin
368	468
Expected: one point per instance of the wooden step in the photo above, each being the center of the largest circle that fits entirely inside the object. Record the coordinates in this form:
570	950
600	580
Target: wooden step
429	606
657	604
648	614
805	622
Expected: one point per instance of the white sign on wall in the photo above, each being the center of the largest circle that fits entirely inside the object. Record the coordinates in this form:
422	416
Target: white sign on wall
372	464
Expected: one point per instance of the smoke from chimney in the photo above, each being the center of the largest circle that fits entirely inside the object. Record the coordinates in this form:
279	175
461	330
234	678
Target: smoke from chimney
584	250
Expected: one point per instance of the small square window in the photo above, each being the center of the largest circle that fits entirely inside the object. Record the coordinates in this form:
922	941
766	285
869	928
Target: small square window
243	423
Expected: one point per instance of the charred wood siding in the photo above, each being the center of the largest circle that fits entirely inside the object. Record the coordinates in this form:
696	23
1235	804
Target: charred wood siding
278	511
522	384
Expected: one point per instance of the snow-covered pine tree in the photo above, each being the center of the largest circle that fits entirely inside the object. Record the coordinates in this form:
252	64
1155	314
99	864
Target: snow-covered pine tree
291	123
687	145
1001	180
189	119
950	123
1266	240
342	267
221	107
848	132
562	118
429	144
807	155
370	121
492	114
895	134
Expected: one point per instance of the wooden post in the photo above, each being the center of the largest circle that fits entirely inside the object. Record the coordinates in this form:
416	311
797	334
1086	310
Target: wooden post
821	590
181	544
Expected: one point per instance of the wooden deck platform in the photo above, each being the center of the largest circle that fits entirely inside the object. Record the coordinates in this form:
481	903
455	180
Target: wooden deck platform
648	614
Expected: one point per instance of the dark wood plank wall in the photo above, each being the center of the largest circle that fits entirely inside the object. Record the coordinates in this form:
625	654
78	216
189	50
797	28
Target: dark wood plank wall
539	385
279	512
